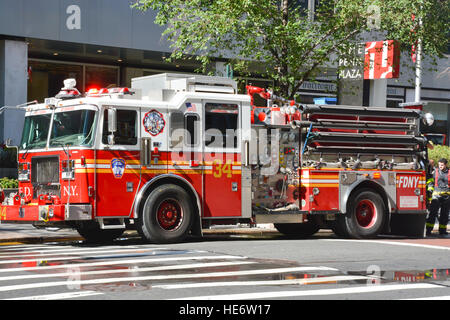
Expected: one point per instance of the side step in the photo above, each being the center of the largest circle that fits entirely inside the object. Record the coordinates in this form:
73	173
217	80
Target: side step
111	223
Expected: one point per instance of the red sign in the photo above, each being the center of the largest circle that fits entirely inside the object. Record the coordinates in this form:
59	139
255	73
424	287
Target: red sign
382	60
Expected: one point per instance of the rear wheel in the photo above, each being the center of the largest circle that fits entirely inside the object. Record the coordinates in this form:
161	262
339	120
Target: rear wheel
365	215
298	230
166	215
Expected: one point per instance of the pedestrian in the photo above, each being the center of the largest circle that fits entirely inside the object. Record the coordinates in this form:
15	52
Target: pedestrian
430	181
440	199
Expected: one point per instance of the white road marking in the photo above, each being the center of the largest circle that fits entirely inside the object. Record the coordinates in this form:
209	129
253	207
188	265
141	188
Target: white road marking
119	262
261	283
59	296
26	246
88	254
32	248
431	298
74	252
309	293
128	270
427	246
73	283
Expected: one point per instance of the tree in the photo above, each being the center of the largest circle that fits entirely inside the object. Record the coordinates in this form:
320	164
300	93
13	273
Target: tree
281	40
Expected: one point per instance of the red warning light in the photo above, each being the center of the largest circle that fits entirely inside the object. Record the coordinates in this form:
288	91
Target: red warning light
93	91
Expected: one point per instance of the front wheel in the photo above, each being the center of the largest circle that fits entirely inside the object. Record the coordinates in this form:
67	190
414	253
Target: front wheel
166	215
365	215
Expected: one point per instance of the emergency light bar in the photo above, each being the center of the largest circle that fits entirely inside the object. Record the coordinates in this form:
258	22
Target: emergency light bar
105	91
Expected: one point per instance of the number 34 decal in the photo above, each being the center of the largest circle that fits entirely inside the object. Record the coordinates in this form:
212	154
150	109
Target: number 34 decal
220	169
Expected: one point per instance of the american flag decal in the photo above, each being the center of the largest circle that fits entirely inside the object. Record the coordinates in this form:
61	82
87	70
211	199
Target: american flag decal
190	107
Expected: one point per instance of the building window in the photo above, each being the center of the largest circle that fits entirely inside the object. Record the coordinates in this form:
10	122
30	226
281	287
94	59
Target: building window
441	116
100	77
45	78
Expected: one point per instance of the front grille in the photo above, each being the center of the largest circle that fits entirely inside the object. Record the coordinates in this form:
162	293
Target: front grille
45	176
45	170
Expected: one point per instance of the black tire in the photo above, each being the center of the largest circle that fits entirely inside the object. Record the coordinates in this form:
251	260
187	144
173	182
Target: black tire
339	228
91	232
366	214
298	230
167	215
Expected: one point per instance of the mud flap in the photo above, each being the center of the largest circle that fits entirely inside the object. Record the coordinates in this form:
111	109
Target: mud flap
412	225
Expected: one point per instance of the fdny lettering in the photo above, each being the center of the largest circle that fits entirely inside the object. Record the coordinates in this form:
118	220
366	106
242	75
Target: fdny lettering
73	21
408	182
25	190
72	192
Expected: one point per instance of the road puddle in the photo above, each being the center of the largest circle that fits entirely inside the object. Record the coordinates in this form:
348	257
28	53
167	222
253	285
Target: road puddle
407	276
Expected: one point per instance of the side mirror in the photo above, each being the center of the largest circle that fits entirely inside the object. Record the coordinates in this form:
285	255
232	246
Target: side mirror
112	120
111	138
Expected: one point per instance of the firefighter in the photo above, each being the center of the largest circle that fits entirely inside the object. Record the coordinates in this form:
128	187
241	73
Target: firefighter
430	181
440	199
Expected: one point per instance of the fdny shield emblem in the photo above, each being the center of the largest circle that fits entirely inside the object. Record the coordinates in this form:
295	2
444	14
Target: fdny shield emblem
118	167
154	122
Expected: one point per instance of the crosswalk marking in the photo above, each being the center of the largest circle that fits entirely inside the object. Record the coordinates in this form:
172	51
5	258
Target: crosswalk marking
27	246
261	282
394	243
431	298
120	262
59	296
319	292
183	269
158	277
71	256
74	252
128	270
32	249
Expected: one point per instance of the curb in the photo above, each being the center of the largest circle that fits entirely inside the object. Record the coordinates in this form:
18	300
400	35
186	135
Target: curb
33	240
41	239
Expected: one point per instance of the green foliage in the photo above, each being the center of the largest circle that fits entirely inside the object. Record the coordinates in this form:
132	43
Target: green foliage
279	40
6	183
439	152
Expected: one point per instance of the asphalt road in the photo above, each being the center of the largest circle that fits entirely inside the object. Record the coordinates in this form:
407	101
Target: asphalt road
262	267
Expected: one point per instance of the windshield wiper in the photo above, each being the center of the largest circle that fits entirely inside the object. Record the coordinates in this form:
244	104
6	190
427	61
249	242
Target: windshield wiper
26	151
64	145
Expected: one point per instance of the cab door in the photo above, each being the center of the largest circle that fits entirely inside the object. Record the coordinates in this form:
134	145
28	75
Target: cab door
222	186
117	164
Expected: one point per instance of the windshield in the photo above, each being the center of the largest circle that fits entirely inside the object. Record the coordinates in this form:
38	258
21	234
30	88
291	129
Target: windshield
73	128
35	131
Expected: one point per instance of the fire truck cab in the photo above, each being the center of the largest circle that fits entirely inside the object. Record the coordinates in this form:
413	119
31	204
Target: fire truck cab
177	153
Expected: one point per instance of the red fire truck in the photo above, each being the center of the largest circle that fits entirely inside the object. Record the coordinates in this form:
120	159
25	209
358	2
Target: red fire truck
175	154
